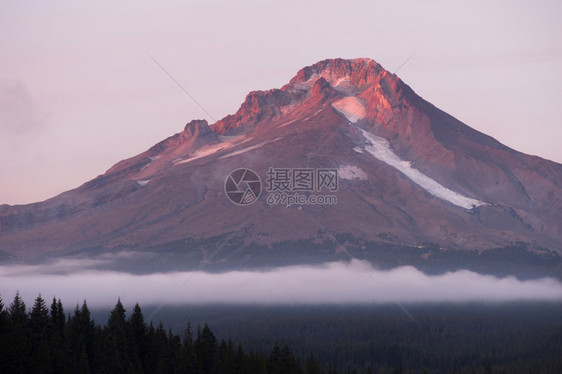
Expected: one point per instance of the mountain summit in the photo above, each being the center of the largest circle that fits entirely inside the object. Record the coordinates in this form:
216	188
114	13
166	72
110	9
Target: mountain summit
408	176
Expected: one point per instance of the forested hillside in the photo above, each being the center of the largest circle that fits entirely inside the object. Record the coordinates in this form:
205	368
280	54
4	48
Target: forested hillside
44	340
508	338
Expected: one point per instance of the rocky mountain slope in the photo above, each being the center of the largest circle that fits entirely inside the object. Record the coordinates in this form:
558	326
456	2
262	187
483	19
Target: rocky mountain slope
408	174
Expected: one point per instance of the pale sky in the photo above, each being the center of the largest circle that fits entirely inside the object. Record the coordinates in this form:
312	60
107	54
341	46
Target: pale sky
78	91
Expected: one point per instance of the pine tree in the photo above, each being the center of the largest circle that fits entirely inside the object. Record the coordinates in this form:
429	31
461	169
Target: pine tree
151	360
57	317
3	338
139	330
288	361
39	338
171	354
205	349
39	313
282	361
274	362
79	336
227	359
187	362
17	311
243	360
57	323
120	352
17	351
157	354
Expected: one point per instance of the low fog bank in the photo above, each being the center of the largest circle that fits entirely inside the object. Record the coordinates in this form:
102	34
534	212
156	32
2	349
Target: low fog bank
75	280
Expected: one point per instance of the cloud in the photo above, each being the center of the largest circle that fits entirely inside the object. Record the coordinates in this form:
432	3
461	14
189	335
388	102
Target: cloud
18	112
327	283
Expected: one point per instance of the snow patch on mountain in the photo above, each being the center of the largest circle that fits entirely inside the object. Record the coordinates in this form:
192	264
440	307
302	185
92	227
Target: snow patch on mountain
349	172
244	150
208	150
380	149
351	108
203	152
231	138
250	148
146	166
143	182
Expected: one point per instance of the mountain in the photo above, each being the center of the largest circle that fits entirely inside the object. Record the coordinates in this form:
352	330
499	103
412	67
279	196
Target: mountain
414	185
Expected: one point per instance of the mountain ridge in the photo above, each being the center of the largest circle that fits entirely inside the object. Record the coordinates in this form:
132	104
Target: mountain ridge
329	115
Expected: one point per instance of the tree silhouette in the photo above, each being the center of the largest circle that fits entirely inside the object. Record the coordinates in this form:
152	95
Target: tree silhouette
40	336
205	349
4	321
119	348
17	349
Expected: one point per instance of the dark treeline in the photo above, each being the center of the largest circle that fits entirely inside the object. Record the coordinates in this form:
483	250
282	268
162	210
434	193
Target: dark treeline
45	340
454	339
